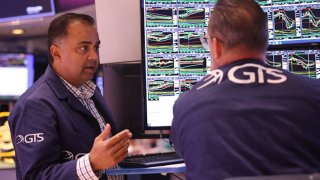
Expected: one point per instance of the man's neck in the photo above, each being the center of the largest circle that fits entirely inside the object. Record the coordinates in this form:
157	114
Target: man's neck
237	54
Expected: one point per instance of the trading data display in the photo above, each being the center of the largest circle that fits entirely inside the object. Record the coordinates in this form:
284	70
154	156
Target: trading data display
292	21
285	23
175	59
304	62
310	21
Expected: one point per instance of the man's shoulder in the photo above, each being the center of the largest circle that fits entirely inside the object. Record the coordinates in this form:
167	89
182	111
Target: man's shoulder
39	90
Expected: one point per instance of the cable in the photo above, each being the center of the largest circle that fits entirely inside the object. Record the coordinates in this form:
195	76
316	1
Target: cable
165	139
176	176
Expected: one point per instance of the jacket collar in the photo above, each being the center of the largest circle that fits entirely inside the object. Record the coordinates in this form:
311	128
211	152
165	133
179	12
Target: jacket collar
61	92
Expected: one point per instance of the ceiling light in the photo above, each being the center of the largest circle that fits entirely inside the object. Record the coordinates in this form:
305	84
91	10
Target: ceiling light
17	31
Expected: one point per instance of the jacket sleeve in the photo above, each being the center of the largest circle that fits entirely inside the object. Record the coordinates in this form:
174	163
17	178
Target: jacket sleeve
175	131
37	142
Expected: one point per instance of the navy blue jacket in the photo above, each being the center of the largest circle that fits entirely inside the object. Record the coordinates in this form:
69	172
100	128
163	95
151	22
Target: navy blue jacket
248	119
50	129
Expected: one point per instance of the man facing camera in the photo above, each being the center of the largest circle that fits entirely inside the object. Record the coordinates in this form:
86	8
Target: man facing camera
61	126
246	118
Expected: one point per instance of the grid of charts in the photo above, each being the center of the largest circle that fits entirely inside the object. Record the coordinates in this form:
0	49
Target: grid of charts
175	59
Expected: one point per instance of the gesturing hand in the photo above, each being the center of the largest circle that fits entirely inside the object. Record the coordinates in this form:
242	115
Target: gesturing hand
107	153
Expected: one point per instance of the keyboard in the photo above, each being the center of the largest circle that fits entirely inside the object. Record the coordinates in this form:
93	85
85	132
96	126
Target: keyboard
150	160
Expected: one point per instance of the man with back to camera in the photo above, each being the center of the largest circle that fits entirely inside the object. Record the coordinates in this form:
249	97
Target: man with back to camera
60	126
246	118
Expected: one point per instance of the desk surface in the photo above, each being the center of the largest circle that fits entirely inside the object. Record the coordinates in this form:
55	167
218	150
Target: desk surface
173	168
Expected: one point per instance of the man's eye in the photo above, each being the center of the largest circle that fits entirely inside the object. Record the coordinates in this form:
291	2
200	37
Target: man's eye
84	49
96	48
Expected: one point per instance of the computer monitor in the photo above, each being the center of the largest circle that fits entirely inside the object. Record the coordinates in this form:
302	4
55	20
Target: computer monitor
292	22
304	61
13	10
16	74
174	59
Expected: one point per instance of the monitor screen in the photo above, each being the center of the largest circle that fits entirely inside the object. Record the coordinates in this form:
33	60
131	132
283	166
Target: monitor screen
16	74
292	22
16	9
174	59
301	61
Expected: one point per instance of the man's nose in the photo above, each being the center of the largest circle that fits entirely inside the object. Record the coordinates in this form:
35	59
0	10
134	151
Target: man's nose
93	54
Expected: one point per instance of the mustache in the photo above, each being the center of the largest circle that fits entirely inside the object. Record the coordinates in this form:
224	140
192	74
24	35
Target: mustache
91	63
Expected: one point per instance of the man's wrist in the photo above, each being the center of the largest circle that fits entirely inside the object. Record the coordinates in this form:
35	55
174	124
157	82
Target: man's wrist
84	169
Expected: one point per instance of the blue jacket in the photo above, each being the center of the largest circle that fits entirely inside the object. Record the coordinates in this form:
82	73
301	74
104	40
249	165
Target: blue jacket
50	129
248	119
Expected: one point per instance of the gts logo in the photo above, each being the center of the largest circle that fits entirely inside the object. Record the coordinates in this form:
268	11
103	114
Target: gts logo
30	138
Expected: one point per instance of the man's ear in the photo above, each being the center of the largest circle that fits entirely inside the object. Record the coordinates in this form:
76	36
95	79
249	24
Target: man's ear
216	51
55	52
216	48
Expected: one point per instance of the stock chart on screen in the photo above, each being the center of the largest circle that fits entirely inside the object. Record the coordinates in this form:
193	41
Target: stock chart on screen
304	61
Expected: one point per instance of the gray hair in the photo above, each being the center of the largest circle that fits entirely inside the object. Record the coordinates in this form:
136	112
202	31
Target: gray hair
239	22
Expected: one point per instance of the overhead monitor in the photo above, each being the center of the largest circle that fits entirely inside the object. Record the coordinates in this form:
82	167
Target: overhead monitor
11	10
